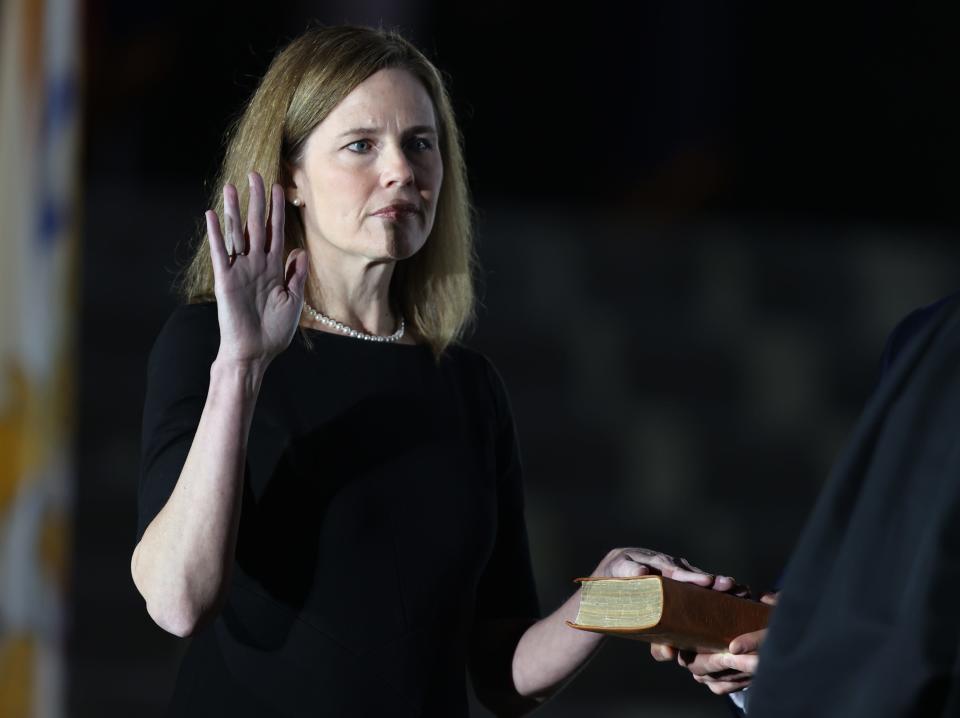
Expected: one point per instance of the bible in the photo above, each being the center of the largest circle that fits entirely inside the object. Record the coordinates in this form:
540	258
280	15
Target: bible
657	609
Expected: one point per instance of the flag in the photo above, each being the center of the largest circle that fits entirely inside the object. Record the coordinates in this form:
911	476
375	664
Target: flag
39	240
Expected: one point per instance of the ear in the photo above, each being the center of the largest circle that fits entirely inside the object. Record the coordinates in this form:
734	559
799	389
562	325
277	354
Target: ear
289	182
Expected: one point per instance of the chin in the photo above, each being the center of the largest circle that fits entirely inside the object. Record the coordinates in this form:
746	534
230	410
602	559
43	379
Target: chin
397	246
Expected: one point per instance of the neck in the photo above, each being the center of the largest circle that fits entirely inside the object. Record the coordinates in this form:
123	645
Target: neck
353	291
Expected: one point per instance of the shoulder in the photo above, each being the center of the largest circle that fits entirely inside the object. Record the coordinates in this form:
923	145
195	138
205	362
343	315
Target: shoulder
481	371
189	324
943	311
190	335
191	320
472	361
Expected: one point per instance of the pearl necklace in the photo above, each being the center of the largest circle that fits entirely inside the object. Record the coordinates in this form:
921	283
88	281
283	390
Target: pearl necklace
339	326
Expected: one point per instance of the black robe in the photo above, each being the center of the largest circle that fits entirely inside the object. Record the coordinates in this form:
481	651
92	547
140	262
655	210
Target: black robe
868	622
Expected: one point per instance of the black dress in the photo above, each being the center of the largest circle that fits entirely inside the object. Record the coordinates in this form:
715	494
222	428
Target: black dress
381	525
868	621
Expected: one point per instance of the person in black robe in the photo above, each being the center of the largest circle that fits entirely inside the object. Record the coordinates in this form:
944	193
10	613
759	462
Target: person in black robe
868	618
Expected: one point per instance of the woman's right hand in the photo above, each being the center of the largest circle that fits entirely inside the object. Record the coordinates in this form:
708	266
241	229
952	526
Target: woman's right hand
259	299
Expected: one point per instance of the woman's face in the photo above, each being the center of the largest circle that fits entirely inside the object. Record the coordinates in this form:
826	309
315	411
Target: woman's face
371	172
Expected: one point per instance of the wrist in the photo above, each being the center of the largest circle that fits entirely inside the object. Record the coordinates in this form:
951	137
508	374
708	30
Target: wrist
244	375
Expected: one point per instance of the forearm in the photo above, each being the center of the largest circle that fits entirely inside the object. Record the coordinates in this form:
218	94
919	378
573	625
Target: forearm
550	653
182	563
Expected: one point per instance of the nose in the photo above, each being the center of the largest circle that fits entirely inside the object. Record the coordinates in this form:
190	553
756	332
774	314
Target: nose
396	170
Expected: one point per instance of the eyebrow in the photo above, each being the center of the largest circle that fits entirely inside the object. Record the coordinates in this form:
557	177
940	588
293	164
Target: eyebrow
415	130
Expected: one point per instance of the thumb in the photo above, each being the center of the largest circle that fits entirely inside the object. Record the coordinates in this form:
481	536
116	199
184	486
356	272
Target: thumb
295	273
748	642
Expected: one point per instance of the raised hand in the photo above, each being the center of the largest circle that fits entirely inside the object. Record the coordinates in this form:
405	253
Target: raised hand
259	299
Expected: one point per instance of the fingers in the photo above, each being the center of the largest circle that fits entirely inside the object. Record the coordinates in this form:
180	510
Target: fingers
715	667
722	673
682	570
697	663
746	663
662	652
634	561
770	598
277	221
233	237
630	562
256	207
726	676
661	563
722	688
295	274
748	642
218	253
724	583
627	567
719	583
687	576
718	666
679	569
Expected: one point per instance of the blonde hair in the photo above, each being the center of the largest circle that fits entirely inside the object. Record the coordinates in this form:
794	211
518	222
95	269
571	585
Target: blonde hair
434	288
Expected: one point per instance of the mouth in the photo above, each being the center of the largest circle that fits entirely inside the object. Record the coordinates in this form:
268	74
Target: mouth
396	211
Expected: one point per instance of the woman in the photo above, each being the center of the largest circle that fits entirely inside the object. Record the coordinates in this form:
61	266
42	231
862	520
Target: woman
331	499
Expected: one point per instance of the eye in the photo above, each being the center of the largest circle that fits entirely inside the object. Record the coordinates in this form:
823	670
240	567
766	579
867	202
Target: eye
361	147
421	144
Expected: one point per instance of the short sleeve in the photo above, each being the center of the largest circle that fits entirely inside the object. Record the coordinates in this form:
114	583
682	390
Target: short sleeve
178	377
506	599
507	588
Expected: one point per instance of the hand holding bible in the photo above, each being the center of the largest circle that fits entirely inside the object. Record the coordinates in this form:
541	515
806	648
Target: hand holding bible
724	672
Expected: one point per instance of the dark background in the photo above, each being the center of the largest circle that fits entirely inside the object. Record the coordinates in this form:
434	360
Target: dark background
697	223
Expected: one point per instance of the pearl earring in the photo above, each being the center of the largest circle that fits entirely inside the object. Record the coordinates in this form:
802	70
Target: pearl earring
297	202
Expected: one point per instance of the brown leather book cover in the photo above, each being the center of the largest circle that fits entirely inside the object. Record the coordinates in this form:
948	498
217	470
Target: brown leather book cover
680	614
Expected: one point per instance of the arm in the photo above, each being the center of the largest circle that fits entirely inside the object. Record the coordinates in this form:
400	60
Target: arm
517	662
181	565
550	653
